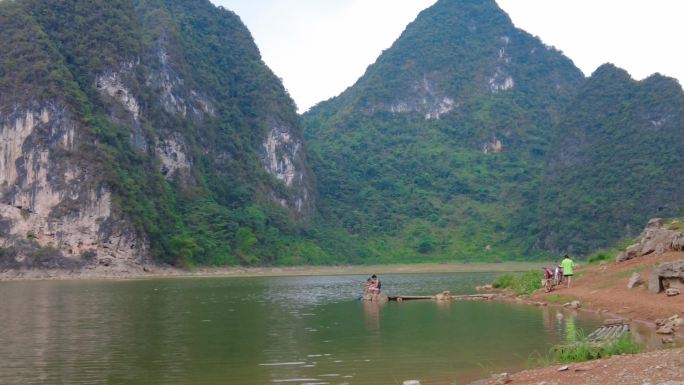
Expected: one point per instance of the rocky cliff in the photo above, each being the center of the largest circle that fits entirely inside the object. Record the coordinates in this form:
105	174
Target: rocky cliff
138	131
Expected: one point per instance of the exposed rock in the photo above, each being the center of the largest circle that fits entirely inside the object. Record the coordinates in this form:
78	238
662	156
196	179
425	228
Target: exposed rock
671	292
678	242
283	157
635	280
443	296
424	98
629	253
657	240
502	378
573	304
171	151
484	288
655	223
663	273
411	382
669	325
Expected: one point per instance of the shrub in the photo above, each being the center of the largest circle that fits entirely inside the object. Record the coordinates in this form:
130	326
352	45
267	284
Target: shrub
523	284
503	281
599	257
528	282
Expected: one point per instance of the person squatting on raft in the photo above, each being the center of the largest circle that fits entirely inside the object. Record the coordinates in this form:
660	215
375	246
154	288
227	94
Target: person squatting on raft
375	285
567	264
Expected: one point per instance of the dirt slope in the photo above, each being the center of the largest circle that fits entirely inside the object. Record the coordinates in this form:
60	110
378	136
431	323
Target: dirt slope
604	287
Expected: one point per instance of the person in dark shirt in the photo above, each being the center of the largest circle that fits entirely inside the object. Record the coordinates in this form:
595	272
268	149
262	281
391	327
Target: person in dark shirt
376	286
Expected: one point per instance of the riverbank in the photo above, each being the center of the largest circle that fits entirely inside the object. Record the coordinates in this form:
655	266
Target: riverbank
603	289
156	272
658	368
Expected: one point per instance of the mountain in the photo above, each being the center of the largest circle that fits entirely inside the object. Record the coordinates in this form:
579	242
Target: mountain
615	162
135	130
437	151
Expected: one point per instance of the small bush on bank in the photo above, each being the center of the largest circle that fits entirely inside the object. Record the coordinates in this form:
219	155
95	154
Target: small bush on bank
528	282
585	351
599	257
503	281
523	284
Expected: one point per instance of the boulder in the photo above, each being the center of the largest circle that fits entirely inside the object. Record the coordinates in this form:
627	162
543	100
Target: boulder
635	280
671	292
665	272
669	325
657	240
678	242
655	223
630	252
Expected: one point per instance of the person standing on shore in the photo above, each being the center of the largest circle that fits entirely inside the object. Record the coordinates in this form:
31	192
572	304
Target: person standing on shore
567	264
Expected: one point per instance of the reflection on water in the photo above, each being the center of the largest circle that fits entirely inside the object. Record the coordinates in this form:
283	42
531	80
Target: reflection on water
266	331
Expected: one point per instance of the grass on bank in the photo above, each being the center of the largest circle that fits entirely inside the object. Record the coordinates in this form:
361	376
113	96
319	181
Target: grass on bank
523	284
586	351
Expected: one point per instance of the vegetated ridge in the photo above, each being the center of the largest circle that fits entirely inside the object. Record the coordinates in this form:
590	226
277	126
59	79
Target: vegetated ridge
144	131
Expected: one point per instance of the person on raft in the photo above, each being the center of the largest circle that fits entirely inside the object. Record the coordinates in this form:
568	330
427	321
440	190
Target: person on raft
567	264
367	286
375	286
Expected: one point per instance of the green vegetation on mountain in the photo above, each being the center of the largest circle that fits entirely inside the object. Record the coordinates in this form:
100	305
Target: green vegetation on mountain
614	162
223	210
468	139
436	151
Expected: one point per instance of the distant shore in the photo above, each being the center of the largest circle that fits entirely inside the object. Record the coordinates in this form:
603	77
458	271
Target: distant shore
155	272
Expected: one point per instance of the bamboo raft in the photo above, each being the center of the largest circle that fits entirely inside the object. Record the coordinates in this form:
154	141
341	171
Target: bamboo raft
612	329
443	296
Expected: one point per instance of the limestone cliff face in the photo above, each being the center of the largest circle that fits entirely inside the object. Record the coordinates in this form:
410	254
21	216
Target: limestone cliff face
50	203
284	158
134	141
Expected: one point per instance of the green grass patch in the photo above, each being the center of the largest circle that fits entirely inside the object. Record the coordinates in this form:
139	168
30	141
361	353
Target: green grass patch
676	225
585	351
601	256
523	284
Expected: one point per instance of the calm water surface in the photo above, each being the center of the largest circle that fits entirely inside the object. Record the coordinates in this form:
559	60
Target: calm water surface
284	330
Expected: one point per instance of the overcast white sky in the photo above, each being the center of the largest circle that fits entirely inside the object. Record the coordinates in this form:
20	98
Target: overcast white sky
321	47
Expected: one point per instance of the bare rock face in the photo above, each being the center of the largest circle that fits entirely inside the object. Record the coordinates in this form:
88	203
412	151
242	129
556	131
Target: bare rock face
424	97
283	157
666	275
50	206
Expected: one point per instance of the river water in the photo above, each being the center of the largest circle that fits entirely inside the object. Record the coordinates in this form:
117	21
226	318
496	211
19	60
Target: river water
278	330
